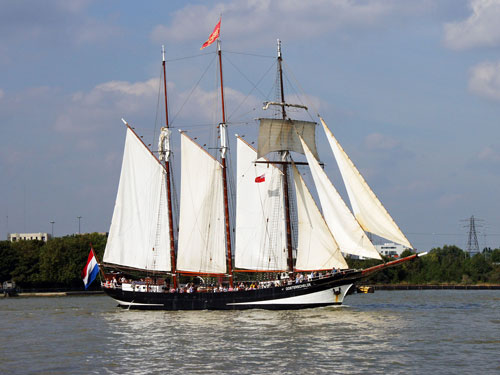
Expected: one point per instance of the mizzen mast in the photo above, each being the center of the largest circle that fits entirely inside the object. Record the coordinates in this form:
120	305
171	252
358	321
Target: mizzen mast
165	152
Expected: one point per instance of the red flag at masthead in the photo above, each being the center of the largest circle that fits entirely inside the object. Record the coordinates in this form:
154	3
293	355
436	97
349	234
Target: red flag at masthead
213	37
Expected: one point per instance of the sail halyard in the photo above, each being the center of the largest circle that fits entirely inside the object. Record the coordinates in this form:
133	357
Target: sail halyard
344	227
164	151
367	208
317	249
136	239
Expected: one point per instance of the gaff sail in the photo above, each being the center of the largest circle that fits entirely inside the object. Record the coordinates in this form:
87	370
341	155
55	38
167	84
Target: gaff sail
260	238
138	236
202	244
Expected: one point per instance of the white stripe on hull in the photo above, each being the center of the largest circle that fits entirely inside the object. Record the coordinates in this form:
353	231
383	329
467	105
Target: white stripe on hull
123	303
324	297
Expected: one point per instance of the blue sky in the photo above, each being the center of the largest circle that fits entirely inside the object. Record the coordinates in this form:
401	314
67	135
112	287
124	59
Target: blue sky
410	89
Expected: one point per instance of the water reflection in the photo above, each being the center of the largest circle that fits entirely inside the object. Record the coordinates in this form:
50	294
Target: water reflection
387	332
267	341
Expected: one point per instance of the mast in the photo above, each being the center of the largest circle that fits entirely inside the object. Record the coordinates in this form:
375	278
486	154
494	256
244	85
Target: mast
284	155
223	151
165	152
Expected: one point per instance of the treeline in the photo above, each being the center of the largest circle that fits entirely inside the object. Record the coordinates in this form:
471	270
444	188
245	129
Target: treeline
446	265
58	263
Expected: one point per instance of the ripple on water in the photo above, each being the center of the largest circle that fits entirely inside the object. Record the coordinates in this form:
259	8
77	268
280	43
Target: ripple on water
387	332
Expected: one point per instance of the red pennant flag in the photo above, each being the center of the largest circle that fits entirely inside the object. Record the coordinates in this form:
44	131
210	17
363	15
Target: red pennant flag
213	37
261	178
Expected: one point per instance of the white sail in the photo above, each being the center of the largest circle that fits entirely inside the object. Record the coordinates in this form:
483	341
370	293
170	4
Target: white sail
367	208
344	227
202	244
283	135
316	249
139	236
260	242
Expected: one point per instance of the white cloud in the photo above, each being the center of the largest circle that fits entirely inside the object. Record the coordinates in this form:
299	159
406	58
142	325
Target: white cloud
53	22
251	21
449	200
484	80
380	142
481	29
489	155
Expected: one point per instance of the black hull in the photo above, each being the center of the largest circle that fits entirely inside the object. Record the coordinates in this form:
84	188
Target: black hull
321	292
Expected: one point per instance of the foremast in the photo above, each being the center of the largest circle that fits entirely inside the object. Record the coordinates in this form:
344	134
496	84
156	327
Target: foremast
165	152
284	155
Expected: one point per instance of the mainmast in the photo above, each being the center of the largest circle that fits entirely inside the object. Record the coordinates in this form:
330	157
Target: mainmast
223	151
165	151
284	155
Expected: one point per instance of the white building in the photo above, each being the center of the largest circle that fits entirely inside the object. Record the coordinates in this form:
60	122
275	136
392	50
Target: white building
390	249
14	237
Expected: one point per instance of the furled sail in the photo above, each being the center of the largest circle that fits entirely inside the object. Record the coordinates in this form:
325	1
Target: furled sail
260	242
283	135
367	208
344	227
202	244
138	236
316	249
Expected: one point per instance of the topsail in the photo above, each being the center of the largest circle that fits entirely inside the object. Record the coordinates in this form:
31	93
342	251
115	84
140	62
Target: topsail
283	135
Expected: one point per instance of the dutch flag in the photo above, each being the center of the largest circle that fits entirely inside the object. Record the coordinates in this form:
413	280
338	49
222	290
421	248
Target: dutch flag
91	270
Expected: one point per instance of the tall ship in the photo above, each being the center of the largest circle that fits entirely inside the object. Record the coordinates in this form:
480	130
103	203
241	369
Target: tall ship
276	250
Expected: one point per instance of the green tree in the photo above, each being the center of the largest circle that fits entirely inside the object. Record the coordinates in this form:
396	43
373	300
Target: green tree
8	260
26	272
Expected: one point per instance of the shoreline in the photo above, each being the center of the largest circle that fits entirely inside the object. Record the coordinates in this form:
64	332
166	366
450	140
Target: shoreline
432	286
374	286
54	294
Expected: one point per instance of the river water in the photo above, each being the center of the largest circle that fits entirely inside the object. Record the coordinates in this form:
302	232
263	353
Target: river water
388	332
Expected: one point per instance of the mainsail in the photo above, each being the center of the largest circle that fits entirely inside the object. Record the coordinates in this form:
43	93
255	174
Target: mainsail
344	227
202	245
316	248
138	236
367	208
260	230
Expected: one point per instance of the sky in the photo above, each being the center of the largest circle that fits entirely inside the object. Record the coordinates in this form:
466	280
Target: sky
410	89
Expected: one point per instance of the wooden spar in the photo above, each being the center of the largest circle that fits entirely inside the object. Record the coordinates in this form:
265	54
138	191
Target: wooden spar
379	267
169	188
224	172
285	173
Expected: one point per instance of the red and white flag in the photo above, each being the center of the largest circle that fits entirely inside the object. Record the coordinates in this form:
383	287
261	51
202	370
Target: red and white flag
260	178
213	37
